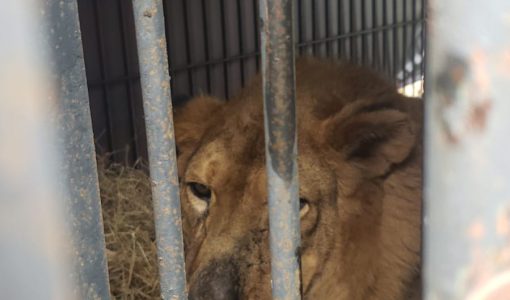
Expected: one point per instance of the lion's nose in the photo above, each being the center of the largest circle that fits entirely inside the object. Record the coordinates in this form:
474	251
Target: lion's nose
219	280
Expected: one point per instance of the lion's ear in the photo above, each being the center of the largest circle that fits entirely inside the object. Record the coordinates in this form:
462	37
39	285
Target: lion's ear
371	135
191	121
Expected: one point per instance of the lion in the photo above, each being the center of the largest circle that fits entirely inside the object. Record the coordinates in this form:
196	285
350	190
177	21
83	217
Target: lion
359	166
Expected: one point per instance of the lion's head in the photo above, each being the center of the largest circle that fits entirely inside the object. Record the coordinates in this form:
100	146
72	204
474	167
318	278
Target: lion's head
360	188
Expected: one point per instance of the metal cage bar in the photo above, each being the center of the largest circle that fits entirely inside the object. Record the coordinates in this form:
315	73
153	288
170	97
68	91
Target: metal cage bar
341	28
278	71
404	44
413	45
83	208
138	131
395	52
327	25
104	76
352	28
224	49
240	42
206	44
375	38
152	52
467	207
364	36
385	56
257	35
51	234
32	264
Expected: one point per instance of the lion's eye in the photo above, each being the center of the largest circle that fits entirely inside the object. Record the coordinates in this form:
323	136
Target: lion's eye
200	191
304	206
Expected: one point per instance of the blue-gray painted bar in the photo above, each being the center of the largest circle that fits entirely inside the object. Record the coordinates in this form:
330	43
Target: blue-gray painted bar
80	181
152	53
467	170
33	259
51	235
278	70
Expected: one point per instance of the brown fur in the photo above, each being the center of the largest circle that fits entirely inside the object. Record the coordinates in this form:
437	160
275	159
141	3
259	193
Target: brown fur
359	146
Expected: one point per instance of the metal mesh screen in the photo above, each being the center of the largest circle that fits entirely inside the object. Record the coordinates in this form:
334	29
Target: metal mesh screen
213	48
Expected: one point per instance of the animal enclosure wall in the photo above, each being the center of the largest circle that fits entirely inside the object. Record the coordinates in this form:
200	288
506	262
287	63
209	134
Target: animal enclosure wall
214	46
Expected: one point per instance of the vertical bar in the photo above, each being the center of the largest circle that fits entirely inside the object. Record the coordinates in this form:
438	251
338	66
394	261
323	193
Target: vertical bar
329	45
224	44
196	37
206	46
51	234
152	53
256	27
233	62
83	204
33	259
375	36
129	83
104	76
395	41
300	24
83	209
307	18
467	208
278	70
363	35
321	13
314	27
188	45
385	58
413	45
423	40
240	32
341	29
352	27
404	42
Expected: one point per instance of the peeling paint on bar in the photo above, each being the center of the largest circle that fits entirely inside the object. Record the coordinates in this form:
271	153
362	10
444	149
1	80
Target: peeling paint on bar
278	70
150	35
467	190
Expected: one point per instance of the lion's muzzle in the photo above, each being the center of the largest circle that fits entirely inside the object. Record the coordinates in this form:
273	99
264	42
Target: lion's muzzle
219	280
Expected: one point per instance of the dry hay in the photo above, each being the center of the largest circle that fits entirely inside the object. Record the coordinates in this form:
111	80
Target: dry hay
129	231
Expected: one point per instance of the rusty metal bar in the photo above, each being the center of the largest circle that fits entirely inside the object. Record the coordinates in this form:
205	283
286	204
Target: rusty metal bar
467	190
155	79
278	70
51	238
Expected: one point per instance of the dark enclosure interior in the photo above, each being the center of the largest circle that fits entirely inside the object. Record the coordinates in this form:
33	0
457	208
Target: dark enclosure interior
213	47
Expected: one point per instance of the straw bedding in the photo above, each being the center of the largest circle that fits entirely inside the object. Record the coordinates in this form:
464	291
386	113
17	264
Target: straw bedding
129	231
